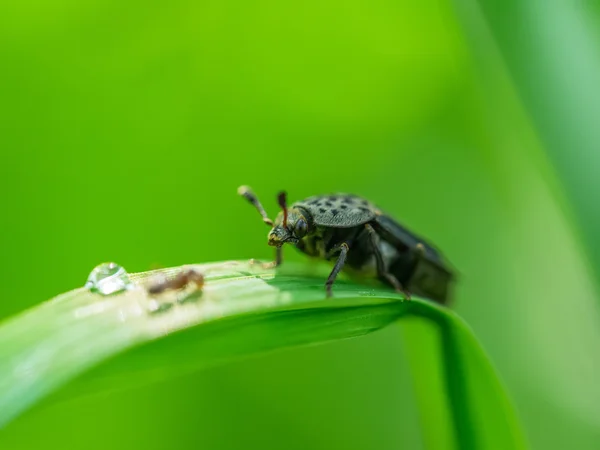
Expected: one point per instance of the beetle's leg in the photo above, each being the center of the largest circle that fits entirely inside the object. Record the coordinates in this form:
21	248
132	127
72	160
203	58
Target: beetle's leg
278	259
381	267
343	247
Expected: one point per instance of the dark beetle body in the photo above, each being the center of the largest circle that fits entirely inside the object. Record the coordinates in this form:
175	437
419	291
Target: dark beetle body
364	241
342	217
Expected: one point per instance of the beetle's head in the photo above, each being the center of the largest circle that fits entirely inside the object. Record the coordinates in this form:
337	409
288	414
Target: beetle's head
290	225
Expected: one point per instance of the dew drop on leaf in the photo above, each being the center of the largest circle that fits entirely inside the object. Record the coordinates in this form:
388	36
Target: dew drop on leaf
108	278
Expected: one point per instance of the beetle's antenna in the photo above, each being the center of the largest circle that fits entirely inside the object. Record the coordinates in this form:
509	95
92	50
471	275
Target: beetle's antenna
281	199
247	193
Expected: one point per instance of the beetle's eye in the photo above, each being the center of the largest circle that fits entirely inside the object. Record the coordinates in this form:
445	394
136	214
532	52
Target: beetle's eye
300	229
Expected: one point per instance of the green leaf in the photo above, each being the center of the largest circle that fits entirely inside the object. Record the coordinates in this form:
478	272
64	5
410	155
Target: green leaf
537	63
244	310
552	51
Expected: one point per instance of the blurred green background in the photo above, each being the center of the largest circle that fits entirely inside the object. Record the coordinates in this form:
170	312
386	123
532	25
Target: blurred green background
125	129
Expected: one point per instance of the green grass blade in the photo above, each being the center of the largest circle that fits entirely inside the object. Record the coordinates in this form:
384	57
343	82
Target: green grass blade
554	61
480	414
243	310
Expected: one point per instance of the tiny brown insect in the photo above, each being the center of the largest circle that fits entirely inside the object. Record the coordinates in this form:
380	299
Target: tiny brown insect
183	279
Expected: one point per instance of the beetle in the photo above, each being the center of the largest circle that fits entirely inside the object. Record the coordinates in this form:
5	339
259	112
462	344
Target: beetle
361	238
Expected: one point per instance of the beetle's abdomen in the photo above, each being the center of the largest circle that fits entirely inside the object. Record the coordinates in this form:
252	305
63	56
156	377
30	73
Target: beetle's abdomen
421	277
418	275
430	281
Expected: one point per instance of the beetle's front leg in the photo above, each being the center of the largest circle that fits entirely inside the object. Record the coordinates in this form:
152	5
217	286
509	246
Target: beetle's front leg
343	248
278	259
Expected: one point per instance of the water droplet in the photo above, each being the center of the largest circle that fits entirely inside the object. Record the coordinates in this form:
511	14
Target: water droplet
108	278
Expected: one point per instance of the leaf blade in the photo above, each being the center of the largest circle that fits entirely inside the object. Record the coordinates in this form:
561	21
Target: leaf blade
243	311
